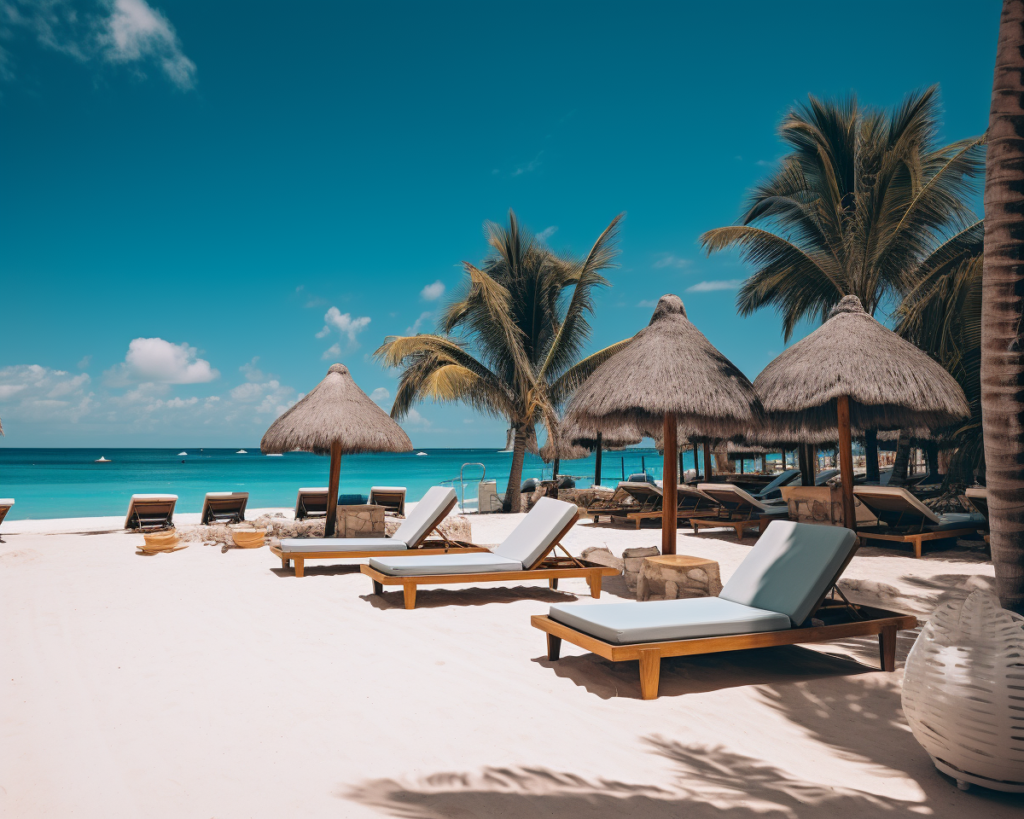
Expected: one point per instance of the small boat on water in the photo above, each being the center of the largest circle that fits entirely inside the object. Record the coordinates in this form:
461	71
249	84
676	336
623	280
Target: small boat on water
102	460
275	454
182	453
418	454
241	452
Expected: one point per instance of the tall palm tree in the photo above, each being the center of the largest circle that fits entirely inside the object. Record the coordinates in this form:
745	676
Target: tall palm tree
863	198
510	343
1002	322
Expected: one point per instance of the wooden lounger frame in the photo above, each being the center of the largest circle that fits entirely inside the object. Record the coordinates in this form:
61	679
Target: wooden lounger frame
739	524
3	513
440	546
915	539
649	655
212	507
545	567
150	521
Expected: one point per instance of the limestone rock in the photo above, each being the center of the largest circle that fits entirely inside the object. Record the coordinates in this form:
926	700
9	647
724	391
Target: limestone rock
663	580
602	556
633	560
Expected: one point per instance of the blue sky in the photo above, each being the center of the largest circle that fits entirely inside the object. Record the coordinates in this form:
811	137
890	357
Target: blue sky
203	205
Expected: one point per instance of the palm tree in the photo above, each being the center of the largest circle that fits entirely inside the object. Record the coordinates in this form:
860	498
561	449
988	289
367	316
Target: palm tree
863	198
510	343
1002	322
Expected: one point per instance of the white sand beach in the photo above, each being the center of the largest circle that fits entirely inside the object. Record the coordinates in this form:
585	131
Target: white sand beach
212	684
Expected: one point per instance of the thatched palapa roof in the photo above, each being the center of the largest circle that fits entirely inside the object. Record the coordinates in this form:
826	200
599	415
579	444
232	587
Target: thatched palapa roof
890	382
336	411
669	366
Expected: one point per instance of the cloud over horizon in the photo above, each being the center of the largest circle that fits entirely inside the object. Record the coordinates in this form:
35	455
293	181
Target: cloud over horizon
159	361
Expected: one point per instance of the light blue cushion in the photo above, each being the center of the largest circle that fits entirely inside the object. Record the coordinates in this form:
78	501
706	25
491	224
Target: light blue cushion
342	544
626	623
790	567
417	565
535	533
425	515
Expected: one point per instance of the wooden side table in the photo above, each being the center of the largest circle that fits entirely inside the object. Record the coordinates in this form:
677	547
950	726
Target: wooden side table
672	577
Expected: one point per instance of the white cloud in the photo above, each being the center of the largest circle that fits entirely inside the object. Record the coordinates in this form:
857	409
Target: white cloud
345	324
764	163
324	332
123	32
418	324
670	260
547	233
334	351
135	31
380	395
31	393
251	371
651	303
153	359
432	292
414	419
84	363
530	166
709	287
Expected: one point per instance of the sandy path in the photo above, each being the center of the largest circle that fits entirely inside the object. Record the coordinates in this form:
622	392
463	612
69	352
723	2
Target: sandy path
213	685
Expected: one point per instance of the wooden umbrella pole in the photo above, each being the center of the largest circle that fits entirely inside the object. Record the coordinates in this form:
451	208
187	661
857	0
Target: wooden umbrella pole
707	462
332	490
845	455
669	488
597	462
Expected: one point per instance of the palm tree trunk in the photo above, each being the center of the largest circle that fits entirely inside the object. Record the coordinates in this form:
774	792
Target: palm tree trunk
513	495
1002	311
901	464
871	455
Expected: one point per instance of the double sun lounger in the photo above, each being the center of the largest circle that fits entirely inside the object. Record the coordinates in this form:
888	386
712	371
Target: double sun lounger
776	597
902	518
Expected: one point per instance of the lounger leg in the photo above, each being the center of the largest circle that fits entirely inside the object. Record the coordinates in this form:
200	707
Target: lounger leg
284	563
300	566
409	591
554	647
887	648
917	546
650	671
553	583
378	588
595	584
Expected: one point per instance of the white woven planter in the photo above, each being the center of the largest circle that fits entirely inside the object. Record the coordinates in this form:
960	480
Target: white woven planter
963	692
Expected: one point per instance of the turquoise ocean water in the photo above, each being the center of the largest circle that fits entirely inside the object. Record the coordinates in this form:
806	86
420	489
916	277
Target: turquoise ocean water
59	483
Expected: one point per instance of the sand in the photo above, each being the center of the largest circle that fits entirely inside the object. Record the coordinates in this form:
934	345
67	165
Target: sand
210	684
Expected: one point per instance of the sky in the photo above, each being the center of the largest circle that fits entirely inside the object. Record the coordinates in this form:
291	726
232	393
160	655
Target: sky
205	204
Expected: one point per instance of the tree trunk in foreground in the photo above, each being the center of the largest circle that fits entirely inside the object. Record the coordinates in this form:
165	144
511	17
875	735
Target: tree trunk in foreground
513	494
1002	311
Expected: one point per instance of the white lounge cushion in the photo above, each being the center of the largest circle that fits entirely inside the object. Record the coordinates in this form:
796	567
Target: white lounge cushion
342	544
6	501
473	563
154	497
537	531
425	515
223	495
315	490
391	490
625	623
731	496
895	503
958	520
790	568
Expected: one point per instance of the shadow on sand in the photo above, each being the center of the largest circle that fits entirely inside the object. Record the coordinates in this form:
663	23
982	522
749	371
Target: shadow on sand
473	596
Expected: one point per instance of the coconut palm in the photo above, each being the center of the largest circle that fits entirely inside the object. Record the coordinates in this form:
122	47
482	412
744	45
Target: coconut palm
862	200
1002	309
510	343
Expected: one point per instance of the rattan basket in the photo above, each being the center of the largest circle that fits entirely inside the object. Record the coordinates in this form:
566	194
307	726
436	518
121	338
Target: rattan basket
248	538
161	542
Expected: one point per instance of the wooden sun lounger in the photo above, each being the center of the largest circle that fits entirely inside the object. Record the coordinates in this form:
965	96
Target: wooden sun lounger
224	507
902	518
425	546
5	507
311	503
392	498
545	567
147	513
739	510
838	626
812	618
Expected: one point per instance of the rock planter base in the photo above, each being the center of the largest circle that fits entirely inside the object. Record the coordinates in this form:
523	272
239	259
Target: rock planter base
633	561
676	577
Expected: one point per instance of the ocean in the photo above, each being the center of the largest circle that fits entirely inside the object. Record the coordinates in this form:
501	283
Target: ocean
61	483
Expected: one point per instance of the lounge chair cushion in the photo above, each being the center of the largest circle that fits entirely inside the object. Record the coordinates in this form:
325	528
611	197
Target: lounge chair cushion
6	501
342	544
154	497
424	515
624	623
473	563
892	503
226	495
790	567
537	531
957	520
732	497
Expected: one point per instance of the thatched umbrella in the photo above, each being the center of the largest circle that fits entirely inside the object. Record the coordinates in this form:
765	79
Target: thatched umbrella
336	418
854	374
670	377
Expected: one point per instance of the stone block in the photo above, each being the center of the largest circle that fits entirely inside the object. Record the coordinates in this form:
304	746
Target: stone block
674	577
602	556
633	561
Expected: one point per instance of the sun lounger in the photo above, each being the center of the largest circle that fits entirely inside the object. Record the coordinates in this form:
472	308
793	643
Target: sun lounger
148	513
902	518
977	498
738	509
5	507
636	501
392	498
411	537
224	507
629	496
775	597
524	555
311	503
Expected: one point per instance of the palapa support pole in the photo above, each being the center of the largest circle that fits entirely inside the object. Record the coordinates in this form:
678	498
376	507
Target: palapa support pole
332	490
845	455
783	460
669	488
597	462
707	462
